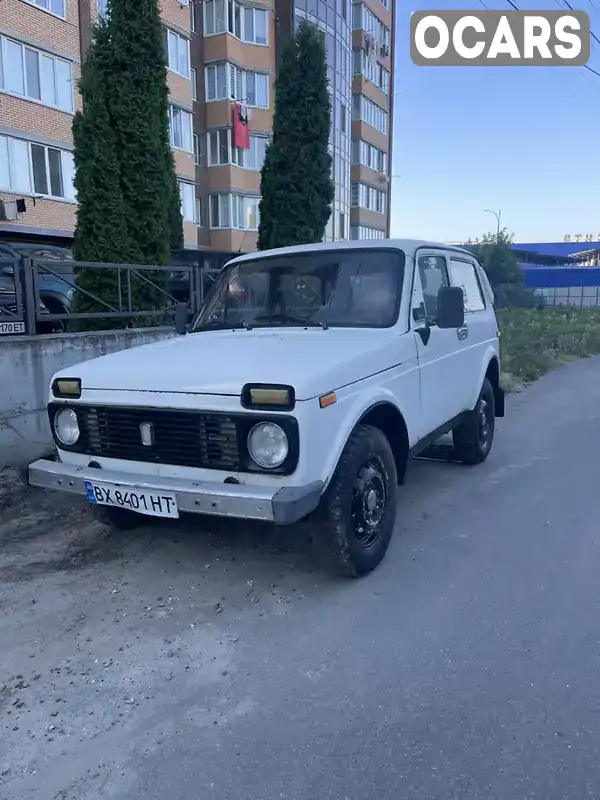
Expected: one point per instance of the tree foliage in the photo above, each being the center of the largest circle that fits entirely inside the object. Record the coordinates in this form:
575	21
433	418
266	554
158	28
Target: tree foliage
502	267
129	207
296	185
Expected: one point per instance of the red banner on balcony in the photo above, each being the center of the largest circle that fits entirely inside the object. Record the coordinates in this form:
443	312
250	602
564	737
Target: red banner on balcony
241	132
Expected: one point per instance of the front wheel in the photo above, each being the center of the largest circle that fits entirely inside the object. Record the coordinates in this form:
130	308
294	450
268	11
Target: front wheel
474	436
357	514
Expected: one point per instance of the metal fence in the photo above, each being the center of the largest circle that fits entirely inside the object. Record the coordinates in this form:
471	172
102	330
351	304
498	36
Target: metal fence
39	296
12	314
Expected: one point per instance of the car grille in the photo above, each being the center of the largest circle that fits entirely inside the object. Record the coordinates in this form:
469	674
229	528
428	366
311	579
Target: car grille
180	438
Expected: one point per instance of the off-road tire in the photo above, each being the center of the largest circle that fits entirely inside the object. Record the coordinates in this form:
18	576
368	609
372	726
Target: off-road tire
471	444
335	538
119	518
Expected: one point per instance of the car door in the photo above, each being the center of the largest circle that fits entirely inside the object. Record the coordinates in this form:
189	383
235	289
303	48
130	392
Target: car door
479	328
441	396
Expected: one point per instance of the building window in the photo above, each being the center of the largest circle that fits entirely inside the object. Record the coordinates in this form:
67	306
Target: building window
35	75
222	151
187	192
178	53
362	232
369	155
254	25
193	17
367	197
255	156
364	19
180	128
247	23
196	148
372	70
225	81
218	147
193	73
365	110
234	211
31	168
56	7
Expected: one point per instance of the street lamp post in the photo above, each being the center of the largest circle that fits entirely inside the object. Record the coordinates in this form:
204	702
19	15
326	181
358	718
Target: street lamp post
498	215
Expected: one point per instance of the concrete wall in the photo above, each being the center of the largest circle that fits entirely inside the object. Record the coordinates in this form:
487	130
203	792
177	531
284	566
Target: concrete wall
27	364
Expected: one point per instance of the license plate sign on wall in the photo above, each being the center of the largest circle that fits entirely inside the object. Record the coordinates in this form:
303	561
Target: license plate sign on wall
8	328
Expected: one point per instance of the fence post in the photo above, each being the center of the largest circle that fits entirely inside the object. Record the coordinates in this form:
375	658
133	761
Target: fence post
29	285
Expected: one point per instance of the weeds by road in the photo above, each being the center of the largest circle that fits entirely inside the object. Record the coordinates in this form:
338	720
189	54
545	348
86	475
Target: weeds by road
534	341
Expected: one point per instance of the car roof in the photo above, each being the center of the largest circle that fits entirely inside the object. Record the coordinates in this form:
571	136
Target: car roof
408	246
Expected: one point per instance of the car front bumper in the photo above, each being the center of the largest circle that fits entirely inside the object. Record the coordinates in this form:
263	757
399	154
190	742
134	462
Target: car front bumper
283	506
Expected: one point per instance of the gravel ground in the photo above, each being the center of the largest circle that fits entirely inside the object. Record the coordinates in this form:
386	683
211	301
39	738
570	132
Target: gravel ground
215	661
94	624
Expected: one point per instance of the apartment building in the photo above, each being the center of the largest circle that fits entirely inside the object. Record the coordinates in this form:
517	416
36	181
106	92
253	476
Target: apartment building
235	47
222	63
42	43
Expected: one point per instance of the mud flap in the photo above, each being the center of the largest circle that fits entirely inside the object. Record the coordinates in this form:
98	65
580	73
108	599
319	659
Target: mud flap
499	400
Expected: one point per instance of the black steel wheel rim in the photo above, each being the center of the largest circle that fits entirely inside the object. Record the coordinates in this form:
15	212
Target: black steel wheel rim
369	499
484	423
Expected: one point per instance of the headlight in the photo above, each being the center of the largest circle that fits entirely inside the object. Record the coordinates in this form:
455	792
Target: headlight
66	427
268	445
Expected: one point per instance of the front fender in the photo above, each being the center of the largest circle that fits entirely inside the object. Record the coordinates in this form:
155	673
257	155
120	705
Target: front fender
348	412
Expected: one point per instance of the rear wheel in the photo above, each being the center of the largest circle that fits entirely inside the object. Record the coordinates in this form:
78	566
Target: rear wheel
357	514
474	436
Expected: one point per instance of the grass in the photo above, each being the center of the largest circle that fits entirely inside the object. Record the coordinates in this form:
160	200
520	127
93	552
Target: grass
533	341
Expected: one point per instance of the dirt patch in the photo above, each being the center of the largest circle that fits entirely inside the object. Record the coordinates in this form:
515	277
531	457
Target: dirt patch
102	630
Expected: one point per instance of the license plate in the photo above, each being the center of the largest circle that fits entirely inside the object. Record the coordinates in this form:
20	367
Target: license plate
154	504
7	328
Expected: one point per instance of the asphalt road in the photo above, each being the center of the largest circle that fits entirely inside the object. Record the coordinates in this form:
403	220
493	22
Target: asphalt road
467	666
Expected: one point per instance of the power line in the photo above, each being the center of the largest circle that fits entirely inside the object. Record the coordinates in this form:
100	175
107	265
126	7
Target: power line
592	34
585	66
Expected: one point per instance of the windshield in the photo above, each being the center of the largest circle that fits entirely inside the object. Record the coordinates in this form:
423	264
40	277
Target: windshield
47	253
342	288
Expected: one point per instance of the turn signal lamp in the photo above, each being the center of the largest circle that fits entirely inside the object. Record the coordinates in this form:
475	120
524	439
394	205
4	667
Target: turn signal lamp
327	399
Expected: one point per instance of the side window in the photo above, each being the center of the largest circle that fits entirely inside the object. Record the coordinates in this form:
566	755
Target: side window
485	283
433	276
462	273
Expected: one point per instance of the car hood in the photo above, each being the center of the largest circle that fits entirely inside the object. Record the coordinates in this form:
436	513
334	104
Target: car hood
313	361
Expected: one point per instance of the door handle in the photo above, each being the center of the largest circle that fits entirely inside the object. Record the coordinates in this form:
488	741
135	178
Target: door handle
462	332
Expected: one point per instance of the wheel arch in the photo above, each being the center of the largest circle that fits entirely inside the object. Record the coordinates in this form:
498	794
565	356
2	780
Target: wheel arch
492	373
388	418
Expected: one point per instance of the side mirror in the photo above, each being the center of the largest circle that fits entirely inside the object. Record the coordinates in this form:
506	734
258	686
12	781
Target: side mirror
451	307
181	319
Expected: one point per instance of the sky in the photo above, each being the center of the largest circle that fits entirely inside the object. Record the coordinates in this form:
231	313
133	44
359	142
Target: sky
522	140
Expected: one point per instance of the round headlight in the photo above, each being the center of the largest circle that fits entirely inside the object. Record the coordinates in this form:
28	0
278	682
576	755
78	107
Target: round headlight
66	427
268	445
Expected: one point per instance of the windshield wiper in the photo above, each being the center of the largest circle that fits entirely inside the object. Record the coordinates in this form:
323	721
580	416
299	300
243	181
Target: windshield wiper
291	318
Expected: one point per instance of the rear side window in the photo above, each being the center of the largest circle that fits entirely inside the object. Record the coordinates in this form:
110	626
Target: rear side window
462	273
487	287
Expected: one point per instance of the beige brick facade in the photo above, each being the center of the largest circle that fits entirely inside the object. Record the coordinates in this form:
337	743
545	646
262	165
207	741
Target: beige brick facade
28	24
29	120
